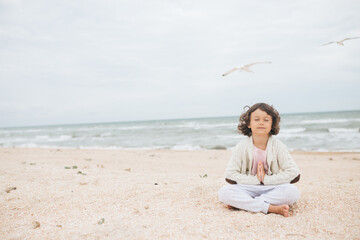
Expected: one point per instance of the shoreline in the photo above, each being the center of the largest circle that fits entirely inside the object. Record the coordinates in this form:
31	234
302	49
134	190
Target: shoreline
164	194
166	149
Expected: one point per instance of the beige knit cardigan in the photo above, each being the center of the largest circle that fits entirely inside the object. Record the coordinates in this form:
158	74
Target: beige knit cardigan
282	168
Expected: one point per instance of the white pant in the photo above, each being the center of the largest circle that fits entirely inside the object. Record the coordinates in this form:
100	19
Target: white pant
256	198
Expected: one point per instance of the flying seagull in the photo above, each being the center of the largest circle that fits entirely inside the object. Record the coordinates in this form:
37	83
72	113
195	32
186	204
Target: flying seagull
340	42
245	68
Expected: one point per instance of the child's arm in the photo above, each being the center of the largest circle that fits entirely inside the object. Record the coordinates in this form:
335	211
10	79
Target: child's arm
233	169
289	171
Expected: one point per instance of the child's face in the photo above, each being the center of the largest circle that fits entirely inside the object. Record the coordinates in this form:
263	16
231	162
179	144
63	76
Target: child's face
260	122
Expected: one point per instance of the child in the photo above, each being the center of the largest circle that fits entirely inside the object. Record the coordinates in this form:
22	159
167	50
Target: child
260	169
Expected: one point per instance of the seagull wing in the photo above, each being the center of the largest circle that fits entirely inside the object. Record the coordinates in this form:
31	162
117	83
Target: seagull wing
230	71
328	43
250	64
345	39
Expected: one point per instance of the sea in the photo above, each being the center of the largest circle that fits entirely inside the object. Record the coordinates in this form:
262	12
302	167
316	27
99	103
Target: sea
317	131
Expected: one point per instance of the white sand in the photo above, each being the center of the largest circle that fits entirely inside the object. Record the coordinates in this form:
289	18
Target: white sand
164	197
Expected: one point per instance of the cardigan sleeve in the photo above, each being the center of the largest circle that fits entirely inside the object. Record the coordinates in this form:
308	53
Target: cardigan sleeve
233	169
288	168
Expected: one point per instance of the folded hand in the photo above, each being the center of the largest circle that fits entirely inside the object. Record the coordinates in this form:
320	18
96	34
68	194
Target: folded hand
261	172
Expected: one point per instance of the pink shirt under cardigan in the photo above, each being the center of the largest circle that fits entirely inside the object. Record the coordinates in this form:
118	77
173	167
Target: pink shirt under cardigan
259	156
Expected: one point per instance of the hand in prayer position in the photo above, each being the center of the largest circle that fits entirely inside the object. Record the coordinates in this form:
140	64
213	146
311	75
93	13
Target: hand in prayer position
261	172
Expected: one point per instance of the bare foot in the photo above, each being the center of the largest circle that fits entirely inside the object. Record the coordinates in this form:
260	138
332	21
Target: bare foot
282	210
231	207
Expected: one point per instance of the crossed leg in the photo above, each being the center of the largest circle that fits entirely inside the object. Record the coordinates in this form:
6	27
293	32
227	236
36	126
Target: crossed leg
259	198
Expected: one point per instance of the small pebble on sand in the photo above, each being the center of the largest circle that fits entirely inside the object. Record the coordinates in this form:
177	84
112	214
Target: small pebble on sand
10	189
35	224
101	221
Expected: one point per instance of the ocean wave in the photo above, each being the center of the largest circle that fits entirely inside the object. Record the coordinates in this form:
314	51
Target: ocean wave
14	140
310	132
132	128
231	136
21	130
320	149
339	130
107	134
76	129
186	125
42	137
303	131
314	130
293	130
177	148
32	145
186	147
60	138
195	125
330	120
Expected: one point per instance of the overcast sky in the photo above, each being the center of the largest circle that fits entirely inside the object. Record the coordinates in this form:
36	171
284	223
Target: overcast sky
106	61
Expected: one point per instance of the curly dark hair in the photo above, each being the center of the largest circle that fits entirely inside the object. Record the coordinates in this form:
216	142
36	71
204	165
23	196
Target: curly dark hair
245	118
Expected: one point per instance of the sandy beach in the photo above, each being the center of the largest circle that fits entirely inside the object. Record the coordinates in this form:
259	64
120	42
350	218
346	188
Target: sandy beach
164	194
